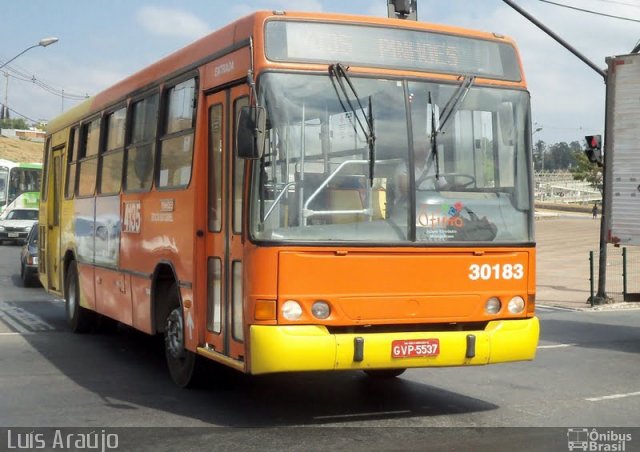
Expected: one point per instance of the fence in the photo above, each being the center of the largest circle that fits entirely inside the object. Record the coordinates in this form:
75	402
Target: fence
623	273
560	187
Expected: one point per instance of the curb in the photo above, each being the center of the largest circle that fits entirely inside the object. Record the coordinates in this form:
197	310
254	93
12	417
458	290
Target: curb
625	306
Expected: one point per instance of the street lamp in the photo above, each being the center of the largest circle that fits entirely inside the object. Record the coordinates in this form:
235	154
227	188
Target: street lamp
43	43
538	129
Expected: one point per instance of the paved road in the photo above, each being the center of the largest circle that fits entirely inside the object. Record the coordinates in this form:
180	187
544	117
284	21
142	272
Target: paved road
563	245
585	375
564	241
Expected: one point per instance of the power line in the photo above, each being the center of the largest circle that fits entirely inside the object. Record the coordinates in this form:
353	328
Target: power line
589	11
20	114
49	89
633	5
52	90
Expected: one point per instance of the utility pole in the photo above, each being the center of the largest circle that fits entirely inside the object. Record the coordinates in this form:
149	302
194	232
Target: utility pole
6	96
601	296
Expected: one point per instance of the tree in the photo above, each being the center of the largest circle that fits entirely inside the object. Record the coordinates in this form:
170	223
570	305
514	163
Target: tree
539	151
561	157
17	123
587	171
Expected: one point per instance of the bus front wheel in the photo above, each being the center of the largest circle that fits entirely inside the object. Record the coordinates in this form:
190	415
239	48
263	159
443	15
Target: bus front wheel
181	362
80	320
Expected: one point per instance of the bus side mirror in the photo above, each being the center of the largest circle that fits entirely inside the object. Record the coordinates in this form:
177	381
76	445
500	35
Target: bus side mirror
250	136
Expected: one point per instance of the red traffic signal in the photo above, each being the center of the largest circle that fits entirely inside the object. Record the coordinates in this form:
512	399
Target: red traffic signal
594	141
594	149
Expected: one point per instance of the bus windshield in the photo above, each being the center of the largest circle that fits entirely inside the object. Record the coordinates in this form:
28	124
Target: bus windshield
431	179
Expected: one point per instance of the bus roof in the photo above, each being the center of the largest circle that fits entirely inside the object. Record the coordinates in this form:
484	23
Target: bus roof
11	164
234	34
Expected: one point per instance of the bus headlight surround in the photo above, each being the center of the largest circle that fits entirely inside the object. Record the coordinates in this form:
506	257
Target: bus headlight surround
321	310
493	305
516	305
291	310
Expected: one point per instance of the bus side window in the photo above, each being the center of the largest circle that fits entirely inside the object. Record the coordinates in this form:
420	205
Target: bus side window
88	157
140	152
72	166
176	146
111	158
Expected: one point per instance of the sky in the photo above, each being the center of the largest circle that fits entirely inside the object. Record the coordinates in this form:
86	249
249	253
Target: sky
101	42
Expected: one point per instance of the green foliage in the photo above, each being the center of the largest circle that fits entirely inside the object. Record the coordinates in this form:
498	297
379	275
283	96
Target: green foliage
539	149
17	123
587	171
563	156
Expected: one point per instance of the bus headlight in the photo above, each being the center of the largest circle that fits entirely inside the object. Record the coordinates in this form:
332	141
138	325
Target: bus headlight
492	306
516	305
291	310
321	310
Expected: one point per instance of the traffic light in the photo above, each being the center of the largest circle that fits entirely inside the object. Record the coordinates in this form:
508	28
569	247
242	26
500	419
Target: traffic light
403	9
594	149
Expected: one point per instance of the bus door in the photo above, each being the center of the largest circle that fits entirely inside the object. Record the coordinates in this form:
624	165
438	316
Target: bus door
224	248
54	191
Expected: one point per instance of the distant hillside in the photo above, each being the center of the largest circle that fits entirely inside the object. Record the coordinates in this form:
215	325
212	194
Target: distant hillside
18	150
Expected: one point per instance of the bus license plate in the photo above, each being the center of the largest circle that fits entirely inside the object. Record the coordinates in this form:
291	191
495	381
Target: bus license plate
13	234
415	348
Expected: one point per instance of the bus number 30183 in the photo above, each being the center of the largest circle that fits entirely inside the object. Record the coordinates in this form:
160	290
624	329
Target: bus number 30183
496	271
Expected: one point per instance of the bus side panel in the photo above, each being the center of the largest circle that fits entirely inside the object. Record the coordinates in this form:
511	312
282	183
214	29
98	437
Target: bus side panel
226	69
157	229
87	290
107	231
83	226
67	232
141	304
113	295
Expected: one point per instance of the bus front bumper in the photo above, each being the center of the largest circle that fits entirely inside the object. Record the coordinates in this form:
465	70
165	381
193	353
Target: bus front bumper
293	348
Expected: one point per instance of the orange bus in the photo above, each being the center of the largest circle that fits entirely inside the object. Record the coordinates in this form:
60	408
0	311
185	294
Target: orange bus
303	192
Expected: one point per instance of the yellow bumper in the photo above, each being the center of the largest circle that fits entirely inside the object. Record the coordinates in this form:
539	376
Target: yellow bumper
312	347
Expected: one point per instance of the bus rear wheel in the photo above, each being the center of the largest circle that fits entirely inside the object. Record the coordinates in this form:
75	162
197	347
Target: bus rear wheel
181	362
80	320
384	373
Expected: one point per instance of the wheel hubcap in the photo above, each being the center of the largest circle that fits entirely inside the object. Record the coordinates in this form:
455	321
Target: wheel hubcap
174	339
71	299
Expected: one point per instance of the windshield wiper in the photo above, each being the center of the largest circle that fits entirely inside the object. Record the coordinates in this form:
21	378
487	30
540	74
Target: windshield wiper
434	141
338	71
447	113
455	101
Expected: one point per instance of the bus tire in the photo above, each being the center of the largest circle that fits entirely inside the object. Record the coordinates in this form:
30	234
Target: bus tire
181	362
384	373
80	320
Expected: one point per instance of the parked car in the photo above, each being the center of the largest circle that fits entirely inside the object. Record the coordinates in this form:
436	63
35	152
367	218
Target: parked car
15	225
29	259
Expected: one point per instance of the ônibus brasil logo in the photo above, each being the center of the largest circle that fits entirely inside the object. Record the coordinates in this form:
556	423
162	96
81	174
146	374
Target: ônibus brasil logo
594	440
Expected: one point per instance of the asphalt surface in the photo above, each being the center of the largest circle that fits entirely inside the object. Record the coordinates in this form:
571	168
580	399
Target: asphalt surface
563	243
585	376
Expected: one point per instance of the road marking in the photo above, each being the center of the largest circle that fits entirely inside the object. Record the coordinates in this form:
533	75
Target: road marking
544	307
12	323
21	320
13	333
557	346
613	396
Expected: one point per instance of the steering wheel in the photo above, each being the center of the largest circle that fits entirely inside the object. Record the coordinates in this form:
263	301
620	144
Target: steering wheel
448	181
